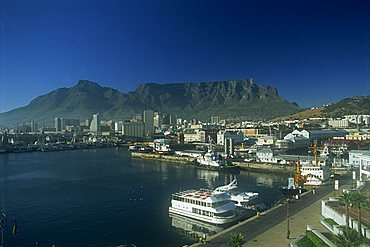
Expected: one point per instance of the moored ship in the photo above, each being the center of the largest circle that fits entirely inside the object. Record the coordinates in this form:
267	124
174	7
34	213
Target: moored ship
213	162
204	205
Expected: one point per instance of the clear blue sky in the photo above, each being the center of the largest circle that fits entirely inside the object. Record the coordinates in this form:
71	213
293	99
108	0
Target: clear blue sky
313	52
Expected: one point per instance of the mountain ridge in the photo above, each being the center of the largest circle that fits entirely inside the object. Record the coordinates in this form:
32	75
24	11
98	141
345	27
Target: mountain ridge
231	98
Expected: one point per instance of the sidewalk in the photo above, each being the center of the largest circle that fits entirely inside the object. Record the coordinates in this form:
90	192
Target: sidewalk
276	236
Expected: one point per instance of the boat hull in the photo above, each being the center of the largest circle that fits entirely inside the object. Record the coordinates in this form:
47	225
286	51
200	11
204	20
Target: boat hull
290	192
212	220
234	169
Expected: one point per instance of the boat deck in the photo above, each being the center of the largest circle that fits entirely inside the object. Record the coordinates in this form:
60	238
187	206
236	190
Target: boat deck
201	194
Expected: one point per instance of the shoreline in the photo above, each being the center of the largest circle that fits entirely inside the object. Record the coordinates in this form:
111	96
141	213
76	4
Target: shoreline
246	166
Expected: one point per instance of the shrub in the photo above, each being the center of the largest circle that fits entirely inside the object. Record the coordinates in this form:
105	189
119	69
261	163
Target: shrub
304	242
331	221
316	241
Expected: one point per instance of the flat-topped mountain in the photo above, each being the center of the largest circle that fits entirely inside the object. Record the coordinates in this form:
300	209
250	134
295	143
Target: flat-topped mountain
234	98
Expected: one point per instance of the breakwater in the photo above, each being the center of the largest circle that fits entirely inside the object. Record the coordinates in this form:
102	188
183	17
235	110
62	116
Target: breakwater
249	166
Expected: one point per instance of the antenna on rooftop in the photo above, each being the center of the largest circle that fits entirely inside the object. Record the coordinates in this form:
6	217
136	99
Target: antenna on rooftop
315	152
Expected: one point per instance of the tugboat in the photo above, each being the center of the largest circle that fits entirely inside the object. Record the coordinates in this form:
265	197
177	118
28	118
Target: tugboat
295	185
211	161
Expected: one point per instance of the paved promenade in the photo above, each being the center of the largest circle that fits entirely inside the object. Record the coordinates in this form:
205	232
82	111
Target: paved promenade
311	215
270	229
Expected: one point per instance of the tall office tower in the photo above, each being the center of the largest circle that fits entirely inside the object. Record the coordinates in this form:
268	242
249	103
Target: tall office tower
58	124
34	126
166	119
149	122
173	119
157	119
95	123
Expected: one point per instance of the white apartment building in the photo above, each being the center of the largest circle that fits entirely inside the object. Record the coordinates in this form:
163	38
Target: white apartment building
358	119
266	141
354	157
364	159
236	136
339	123
320	134
194	135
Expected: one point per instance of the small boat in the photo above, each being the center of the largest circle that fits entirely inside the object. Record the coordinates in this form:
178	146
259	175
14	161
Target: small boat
141	148
240	199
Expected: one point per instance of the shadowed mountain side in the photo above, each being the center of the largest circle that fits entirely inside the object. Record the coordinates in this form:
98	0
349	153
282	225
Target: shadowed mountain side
234	98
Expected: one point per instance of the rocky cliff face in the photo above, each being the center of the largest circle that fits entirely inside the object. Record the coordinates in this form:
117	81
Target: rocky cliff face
188	100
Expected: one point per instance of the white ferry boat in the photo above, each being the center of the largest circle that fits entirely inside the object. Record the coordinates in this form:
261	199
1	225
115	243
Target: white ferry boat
204	205
240	199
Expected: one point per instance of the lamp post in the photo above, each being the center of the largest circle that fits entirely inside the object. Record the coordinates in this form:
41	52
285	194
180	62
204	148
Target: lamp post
2	225
353	179
287	219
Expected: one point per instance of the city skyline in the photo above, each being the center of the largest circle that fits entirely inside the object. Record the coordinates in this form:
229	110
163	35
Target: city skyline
313	52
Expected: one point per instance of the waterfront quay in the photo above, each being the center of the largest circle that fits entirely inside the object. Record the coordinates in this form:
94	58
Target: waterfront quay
270	228
250	166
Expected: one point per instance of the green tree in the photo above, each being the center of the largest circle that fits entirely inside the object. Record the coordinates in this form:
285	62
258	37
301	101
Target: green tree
348	238
236	240
346	199
359	201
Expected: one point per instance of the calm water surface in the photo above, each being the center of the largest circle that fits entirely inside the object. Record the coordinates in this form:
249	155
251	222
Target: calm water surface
102	197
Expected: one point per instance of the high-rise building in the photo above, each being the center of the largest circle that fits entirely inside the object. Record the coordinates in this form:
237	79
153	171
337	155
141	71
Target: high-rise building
34	126
95	123
166	119
173	119
149	122
118	126
58	124
157	119
229	146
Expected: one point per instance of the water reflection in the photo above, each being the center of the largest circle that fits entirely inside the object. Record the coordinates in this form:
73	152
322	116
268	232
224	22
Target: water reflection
265	181
210	177
193	229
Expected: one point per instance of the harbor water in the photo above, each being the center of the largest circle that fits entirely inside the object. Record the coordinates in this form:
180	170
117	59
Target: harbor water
102	197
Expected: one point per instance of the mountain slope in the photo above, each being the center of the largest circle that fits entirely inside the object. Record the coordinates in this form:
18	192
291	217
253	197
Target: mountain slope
350	106
233	98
